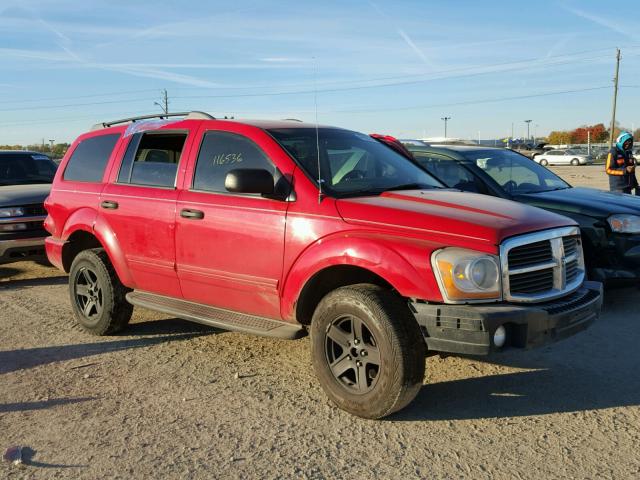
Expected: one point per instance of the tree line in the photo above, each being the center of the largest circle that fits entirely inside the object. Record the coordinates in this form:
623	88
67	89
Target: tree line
595	133
56	151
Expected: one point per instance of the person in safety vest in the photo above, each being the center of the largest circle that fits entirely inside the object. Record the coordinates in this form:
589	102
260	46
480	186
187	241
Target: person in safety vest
621	166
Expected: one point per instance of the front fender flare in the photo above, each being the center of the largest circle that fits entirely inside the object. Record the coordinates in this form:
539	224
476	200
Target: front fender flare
404	265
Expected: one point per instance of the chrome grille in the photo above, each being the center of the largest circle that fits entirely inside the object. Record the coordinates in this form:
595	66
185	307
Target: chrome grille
531	254
532	282
542	266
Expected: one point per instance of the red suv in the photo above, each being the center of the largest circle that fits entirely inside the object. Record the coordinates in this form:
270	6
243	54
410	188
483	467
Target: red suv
281	228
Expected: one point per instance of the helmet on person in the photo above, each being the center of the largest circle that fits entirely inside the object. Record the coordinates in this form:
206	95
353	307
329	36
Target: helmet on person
623	138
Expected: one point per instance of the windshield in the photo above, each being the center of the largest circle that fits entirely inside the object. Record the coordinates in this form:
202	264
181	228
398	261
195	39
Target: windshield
515	173
25	168
351	163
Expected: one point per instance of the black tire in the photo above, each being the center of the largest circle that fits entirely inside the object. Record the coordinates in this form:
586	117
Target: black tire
97	295
575	162
544	162
389	335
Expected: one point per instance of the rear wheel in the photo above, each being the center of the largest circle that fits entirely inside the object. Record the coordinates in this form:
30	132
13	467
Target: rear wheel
544	162
368	351
575	162
97	295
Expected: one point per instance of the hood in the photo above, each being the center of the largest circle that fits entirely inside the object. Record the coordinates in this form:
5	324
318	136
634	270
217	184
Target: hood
16	195
623	137
584	201
449	213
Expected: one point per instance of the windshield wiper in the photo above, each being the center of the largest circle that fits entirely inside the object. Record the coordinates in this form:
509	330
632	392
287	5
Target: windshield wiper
410	186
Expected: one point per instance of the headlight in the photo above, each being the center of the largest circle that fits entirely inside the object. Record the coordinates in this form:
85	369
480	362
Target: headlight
465	275
11	212
624	223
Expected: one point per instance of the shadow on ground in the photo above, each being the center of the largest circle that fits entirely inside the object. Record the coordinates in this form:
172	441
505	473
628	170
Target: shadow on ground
33	282
42	404
166	327
29	453
596	369
14	360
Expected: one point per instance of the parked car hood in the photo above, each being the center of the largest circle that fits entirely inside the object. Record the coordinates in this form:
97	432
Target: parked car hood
586	201
449	213
16	195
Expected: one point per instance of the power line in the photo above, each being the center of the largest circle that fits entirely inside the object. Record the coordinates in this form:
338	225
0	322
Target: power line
472	102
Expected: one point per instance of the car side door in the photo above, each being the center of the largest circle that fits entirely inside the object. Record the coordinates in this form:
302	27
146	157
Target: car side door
230	246
139	207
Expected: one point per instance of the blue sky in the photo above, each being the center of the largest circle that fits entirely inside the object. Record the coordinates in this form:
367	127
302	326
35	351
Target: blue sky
377	66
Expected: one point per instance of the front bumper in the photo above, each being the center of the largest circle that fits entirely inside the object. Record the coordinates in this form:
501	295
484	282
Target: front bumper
618	259
21	249
469	329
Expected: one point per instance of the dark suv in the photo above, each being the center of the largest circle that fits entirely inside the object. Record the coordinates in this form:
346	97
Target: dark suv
25	181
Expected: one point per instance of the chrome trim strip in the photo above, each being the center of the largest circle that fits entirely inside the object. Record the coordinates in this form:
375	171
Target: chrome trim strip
24	219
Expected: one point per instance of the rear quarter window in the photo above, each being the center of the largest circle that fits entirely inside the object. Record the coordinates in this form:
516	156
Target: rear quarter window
89	159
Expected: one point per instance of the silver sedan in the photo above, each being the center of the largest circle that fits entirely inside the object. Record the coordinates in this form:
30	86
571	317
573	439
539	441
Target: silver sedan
563	157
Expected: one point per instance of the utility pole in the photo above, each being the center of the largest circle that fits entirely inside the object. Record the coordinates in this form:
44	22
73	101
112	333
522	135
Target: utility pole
446	119
615	99
165	102
51	140
528	122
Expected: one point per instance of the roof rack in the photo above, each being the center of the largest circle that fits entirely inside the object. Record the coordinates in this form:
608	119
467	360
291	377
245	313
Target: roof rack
195	115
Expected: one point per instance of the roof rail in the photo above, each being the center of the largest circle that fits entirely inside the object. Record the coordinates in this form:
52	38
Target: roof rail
195	115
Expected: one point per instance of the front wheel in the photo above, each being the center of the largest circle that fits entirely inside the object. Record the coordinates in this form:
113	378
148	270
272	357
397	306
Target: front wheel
544	162
575	162
368	351
97	295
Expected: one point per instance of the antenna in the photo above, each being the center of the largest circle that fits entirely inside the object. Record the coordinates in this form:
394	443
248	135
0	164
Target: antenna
315	103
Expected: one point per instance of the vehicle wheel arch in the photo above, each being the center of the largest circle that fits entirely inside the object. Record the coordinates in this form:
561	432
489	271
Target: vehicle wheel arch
77	242
360	260
328	280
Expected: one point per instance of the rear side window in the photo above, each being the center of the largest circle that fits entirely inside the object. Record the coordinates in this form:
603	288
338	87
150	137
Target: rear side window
89	159
152	159
223	151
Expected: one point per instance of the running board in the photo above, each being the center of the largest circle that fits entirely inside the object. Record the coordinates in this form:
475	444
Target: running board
216	317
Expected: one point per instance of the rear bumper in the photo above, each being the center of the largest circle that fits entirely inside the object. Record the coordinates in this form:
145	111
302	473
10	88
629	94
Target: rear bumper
469	329
21	249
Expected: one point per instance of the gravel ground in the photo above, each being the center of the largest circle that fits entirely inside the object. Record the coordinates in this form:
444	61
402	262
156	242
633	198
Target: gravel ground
171	399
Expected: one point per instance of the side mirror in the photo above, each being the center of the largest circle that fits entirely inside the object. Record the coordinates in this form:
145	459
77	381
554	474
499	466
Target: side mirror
249	180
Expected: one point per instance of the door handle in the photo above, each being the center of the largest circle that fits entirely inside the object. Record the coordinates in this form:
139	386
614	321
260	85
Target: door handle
109	204
193	214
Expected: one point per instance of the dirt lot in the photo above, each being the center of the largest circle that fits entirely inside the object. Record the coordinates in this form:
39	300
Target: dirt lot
170	399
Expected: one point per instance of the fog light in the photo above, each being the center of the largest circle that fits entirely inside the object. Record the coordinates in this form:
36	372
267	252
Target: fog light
500	337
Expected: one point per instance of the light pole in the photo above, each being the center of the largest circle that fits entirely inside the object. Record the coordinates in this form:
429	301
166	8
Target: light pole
528	122
446	119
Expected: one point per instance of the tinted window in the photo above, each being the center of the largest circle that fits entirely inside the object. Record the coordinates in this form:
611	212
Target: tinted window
515	173
152	159
89	159
351	163
223	151
25	168
450	172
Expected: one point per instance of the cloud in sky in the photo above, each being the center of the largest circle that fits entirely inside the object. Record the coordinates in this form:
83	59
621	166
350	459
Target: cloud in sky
370	54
